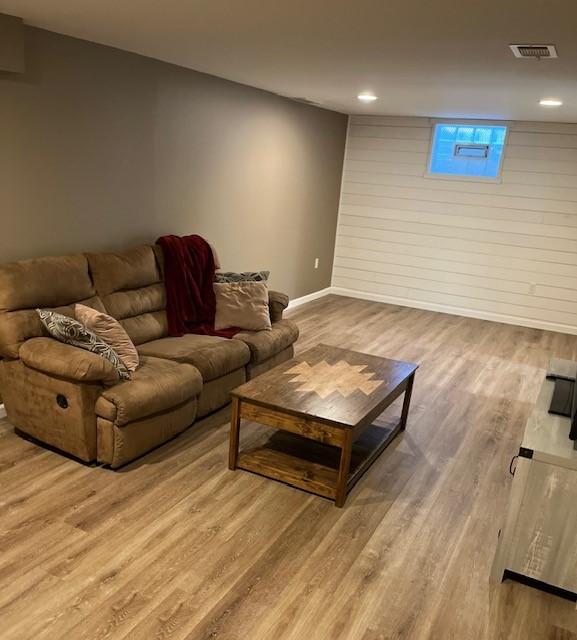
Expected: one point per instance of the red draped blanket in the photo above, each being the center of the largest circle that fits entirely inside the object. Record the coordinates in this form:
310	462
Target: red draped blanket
188	278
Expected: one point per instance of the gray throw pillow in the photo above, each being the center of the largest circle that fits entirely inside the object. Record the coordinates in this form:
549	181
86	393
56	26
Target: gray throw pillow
245	276
74	333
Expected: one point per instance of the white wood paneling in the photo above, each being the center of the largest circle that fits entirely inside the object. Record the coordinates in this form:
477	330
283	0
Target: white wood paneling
505	250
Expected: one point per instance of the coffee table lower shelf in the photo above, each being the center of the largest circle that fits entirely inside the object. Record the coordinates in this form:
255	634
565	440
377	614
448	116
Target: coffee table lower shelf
313	466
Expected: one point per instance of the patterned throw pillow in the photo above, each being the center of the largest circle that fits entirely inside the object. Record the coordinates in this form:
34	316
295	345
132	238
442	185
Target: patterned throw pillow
71	332
245	276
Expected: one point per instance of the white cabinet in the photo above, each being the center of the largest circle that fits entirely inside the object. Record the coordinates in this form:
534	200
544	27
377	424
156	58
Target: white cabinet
539	536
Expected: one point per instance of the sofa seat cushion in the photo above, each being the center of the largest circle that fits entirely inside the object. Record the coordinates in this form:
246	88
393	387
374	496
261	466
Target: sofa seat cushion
266	344
157	385
212	356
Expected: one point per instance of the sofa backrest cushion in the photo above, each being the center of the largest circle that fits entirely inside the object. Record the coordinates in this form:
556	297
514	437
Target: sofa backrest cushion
55	283
44	282
132	290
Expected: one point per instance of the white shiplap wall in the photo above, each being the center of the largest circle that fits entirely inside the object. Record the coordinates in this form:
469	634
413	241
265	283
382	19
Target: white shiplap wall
504	251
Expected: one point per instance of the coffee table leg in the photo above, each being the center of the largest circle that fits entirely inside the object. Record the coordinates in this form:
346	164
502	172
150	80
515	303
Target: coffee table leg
344	467
234	434
407	402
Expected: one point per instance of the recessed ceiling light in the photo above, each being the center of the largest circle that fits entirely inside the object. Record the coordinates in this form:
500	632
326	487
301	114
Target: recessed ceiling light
550	102
367	97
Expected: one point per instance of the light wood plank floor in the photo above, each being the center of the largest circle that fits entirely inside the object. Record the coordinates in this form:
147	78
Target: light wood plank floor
176	546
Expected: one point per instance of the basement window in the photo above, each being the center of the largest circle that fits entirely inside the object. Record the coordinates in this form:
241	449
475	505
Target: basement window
467	151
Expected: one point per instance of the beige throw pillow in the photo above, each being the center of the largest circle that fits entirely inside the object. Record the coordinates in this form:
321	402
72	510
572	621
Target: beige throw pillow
241	304
111	331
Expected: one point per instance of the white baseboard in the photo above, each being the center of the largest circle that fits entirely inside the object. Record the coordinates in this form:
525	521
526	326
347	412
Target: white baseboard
309	297
2	412
456	311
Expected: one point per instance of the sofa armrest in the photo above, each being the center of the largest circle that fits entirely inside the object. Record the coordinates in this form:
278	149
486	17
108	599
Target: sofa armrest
277	303
65	361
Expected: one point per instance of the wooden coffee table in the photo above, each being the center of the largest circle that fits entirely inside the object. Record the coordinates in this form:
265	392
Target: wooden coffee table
323	404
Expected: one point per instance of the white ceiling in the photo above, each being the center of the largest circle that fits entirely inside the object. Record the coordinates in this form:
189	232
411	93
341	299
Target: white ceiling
421	57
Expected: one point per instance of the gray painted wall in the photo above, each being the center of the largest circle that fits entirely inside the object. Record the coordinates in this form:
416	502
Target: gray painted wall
101	149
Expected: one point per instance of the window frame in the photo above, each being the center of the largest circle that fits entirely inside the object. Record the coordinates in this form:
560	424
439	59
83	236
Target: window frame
467	122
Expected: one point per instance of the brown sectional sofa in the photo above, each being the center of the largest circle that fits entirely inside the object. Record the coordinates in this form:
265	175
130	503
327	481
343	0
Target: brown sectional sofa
73	400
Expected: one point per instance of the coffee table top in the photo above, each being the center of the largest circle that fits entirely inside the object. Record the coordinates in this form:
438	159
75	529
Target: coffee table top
329	384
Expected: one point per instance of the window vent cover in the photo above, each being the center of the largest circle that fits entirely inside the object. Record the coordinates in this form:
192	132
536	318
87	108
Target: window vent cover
533	50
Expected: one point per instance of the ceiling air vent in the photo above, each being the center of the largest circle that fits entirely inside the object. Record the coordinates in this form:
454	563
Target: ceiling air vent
538	51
